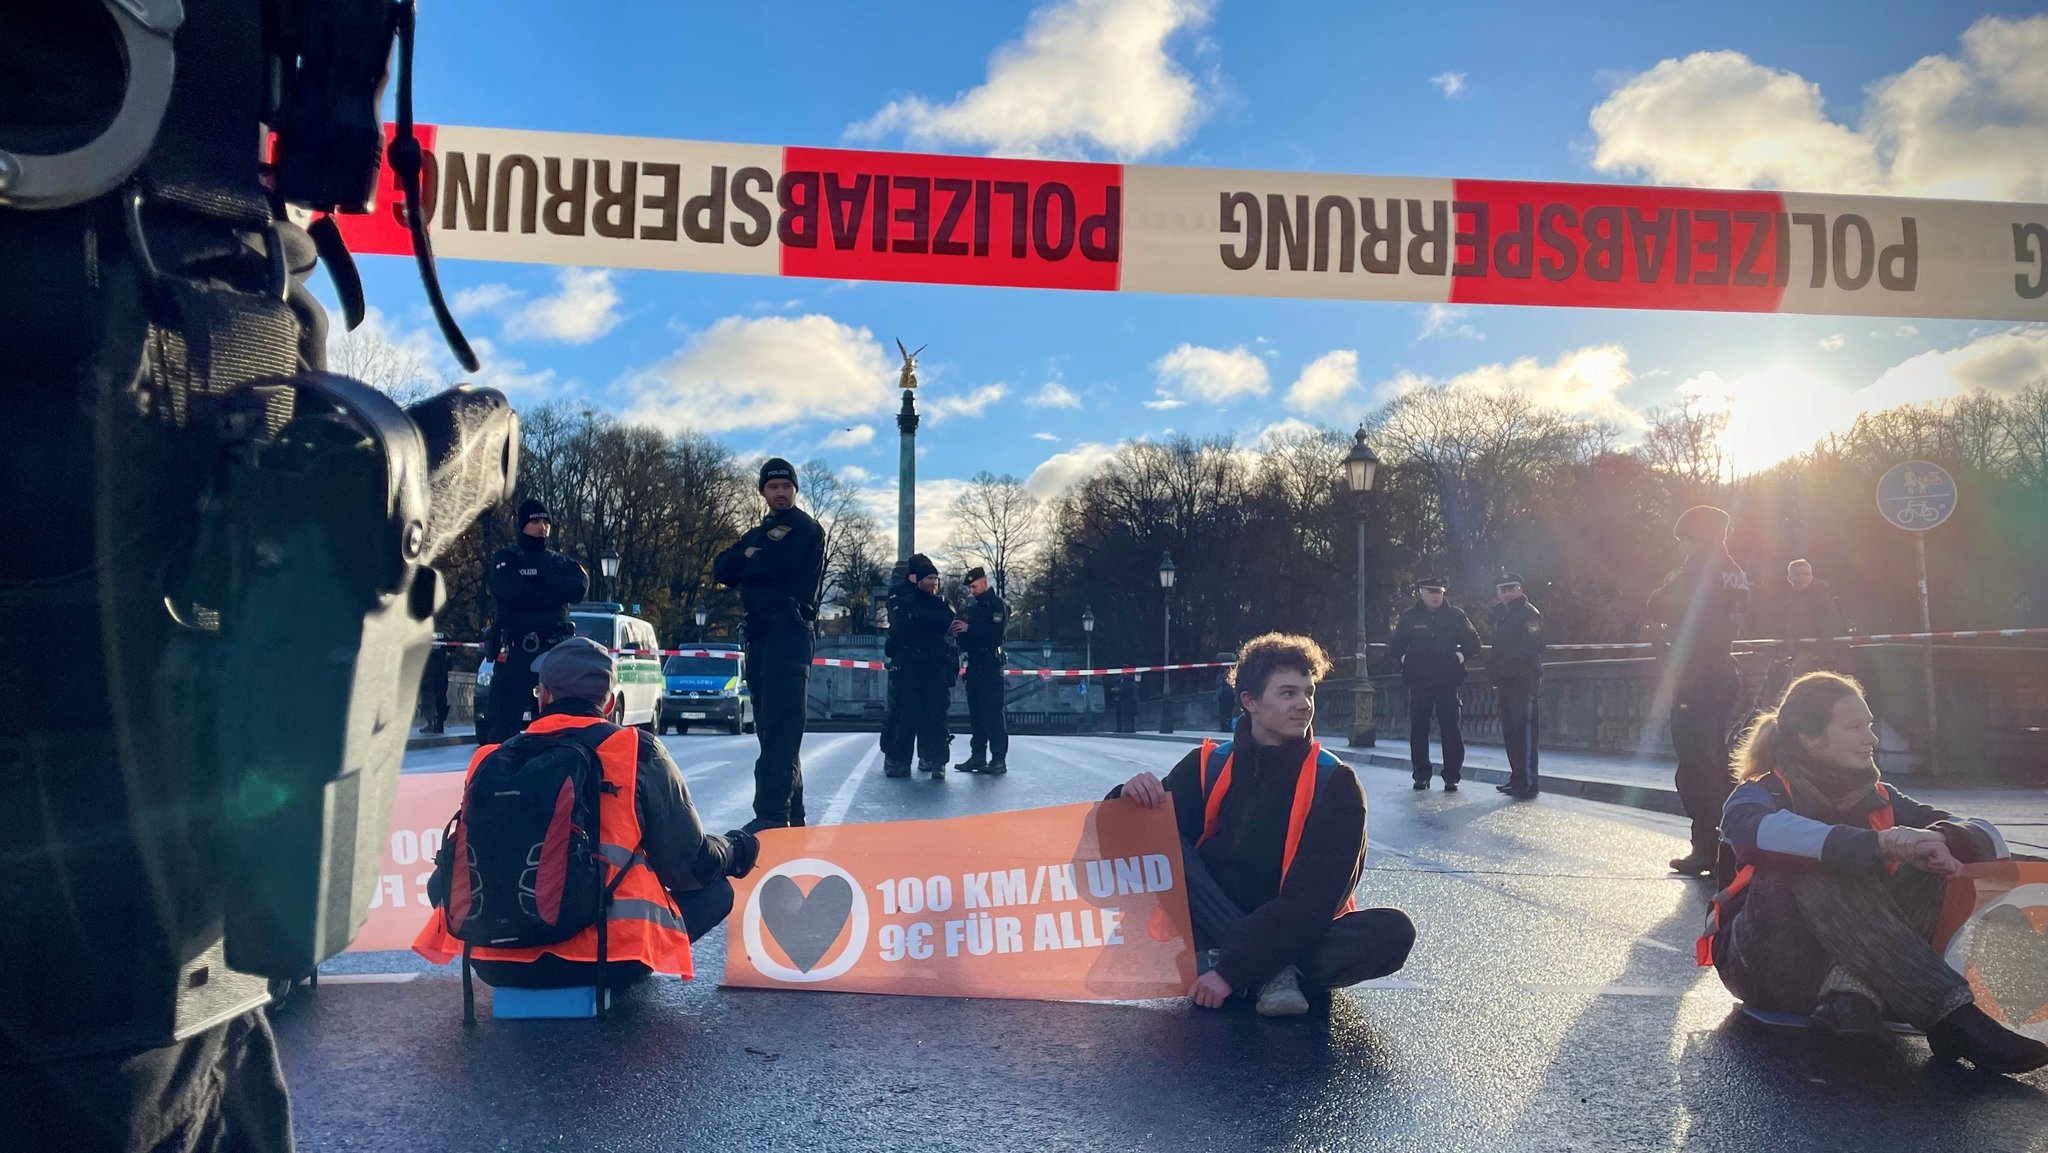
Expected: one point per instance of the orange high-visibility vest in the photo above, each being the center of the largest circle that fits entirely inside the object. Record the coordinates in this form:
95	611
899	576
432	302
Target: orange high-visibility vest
1703	949
1215	781
642	923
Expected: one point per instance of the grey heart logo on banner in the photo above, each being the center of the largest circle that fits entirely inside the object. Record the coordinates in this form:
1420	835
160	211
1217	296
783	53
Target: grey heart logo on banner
805	925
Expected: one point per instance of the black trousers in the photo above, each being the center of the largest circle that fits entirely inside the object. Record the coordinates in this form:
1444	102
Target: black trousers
512	702
1358	946
926	692
434	700
1701	712
779	679
991	733
219	1092
1443	705
1801	934
1518	729
898	737
703	910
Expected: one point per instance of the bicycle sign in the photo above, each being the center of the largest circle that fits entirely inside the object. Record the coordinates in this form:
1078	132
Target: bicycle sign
1917	495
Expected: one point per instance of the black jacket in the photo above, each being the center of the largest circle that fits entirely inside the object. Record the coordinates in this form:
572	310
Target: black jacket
534	589
683	856
1427	642
779	583
1281	922
918	622
1517	642
1703	604
1811	612
986	616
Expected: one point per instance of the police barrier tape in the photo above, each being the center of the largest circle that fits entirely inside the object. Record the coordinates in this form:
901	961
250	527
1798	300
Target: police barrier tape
835	663
693	206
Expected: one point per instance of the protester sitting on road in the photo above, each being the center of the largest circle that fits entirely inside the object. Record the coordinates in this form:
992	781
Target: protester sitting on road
1273	845
1842	880
674	887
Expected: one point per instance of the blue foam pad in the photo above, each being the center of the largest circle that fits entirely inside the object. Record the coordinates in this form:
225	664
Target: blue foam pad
545	1004
1802	1021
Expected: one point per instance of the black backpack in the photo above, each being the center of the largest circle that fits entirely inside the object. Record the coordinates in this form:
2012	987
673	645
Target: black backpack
526	844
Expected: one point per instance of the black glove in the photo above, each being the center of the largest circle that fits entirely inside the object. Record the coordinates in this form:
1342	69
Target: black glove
746	849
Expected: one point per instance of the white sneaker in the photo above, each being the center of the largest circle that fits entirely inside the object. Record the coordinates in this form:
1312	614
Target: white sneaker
1282	996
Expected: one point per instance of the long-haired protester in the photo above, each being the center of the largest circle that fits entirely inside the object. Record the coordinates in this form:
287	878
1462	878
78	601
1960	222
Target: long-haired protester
1833	911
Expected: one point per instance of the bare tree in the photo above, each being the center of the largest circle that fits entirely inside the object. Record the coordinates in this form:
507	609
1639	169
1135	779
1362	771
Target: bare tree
367	355
995	524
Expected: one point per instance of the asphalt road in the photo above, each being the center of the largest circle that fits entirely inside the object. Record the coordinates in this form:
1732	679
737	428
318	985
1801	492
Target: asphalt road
1551	1003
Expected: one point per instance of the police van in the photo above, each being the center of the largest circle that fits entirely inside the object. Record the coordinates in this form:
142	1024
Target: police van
707	685
635	652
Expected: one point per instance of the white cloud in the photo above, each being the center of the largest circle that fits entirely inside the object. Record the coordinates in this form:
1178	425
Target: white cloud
1905	330
1053	394
414	359
1164	401
933	522
757	372
1970	126
1451	82
1087	76
1062	471
584	307
1833	342
854	437
483	298
945	407
1585	382
1782	411
1291	426
1045	436
1444	320
855	474
1212	374
1329	379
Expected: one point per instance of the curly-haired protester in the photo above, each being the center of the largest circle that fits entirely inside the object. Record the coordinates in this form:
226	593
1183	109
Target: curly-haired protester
1273	842
1842	877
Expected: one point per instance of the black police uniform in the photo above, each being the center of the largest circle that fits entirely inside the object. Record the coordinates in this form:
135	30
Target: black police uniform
434	690
534	586
1515	666
779	600
1428	643
982	645
1704	604
926	666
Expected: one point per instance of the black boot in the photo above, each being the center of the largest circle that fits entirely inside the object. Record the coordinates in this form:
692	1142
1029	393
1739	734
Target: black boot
1970	1034
998	768
895	768
1693	865
936	768
760	823
971	765
1850	1015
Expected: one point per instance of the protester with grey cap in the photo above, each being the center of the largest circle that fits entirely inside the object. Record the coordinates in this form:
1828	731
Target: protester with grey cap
779	567
980	632
1700	610
533	586
1432	641
1515	666
577	680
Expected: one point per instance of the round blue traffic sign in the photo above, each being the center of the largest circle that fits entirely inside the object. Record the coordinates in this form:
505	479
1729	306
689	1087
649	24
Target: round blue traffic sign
1916	495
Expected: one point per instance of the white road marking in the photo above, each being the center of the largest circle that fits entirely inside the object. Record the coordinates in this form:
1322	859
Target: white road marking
835	809
1610	990
368	978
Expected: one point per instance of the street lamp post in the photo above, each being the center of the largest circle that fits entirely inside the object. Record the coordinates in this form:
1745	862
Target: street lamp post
702	616
1166	574
1088	661
1360	465
608	565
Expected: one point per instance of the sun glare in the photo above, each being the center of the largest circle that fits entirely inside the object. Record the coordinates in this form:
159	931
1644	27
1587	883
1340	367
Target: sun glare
1773	414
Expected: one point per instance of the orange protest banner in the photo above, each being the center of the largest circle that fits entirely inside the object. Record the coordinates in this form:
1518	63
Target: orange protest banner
1074	902
1994	931
425	802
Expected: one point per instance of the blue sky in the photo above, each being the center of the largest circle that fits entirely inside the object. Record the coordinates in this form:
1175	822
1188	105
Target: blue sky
1837	96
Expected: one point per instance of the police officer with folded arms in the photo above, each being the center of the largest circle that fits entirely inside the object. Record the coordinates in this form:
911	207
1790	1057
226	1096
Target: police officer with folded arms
778	567
1433	640
1515	666
534	586
980	634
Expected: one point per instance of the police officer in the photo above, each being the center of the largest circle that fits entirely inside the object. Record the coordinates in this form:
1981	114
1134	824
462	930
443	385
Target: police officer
921	629
1432	641
778	566
980	633
1700	608
434	688
534	587
1515	666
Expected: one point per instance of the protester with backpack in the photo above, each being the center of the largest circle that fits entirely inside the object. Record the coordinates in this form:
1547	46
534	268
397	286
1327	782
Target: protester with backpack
525	893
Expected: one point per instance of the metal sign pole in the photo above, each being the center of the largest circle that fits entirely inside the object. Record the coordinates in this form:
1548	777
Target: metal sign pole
1927	658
